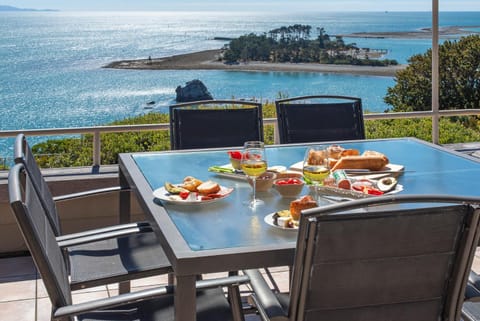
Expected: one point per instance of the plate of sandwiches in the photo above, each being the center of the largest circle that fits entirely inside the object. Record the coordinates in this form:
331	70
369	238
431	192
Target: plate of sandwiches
192	191
369	164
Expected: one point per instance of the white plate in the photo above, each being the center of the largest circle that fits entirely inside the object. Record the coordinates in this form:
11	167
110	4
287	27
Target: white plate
388	170
269	220
240	174
162	194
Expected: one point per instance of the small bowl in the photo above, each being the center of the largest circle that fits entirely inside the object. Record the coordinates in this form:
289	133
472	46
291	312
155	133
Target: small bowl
263	182
235	163
289	190
289	174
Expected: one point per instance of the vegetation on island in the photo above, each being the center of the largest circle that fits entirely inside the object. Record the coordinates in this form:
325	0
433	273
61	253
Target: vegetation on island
294	44
459	89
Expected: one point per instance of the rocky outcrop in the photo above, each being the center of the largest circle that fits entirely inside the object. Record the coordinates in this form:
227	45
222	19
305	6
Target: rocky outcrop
193	91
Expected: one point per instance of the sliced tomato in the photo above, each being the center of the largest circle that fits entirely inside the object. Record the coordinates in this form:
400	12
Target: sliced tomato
373	191
367	189
184	195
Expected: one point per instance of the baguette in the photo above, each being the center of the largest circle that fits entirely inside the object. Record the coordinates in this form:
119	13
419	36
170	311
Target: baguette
373	163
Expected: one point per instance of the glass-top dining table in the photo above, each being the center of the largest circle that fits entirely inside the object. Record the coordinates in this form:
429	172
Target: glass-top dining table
227	235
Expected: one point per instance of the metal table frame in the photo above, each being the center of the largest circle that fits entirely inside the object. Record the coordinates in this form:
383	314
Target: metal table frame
188	263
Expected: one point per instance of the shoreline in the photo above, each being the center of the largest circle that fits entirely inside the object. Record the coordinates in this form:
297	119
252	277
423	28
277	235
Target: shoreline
208	60
424	33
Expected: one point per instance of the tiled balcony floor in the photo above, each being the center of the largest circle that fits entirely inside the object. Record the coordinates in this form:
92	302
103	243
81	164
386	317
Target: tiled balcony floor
24	298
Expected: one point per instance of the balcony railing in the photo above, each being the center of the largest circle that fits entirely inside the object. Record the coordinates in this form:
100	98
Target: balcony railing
97	130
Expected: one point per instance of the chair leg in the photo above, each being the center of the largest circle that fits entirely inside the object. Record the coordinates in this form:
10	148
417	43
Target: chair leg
236	303
124	287
272	280
171	279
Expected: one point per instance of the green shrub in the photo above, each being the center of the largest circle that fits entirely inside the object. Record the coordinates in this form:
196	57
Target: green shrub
78	151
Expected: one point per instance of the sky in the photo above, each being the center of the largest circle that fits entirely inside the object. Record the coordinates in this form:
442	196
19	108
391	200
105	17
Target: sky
245	5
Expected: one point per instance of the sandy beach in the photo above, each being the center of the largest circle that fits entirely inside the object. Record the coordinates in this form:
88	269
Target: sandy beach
208	60
424	33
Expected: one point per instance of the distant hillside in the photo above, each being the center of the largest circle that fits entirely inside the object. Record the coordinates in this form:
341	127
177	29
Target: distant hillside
10	8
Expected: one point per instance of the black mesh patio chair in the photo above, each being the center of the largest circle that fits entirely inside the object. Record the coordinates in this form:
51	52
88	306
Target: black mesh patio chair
319	118
215	123
402	257
23	154
152	304
112	254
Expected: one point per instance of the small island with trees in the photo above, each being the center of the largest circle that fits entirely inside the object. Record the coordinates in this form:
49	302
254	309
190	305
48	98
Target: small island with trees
294	44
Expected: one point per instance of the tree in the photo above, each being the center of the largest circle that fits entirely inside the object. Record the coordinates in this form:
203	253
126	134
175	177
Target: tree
459	63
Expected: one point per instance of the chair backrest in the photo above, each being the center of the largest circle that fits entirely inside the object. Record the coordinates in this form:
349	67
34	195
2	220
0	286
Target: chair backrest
319	118
39	236
215	123
23	154
402	261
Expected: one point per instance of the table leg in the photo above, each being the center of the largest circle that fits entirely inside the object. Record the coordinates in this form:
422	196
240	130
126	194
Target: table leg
124	206
185	298
124	217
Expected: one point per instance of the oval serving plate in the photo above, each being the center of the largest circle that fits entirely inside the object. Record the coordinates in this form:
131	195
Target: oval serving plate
228	171
269	220
335	191
162	194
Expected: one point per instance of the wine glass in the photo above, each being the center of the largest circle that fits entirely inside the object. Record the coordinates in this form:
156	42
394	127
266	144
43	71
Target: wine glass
254	164
316	166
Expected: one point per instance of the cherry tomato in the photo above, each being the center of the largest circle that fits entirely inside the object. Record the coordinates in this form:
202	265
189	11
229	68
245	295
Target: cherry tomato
289	181
235	154
184	195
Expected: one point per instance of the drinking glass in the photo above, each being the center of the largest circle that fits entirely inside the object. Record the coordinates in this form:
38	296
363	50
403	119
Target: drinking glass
316	166
254	164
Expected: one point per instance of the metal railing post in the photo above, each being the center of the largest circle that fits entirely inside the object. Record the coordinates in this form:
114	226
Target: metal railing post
96	148
435	75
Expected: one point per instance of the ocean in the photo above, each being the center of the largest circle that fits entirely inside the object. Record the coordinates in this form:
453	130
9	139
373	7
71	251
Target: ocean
51	73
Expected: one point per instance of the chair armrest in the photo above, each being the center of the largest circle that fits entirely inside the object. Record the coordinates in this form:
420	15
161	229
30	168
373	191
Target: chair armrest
226	281
89	238
75	309
67	197
264	299
141	226
472	293
474	279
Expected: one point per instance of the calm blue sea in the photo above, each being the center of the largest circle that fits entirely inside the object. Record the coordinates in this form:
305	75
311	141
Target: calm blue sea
51	73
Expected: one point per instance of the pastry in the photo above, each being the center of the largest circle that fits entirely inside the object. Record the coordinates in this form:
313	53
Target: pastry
300	204
190	183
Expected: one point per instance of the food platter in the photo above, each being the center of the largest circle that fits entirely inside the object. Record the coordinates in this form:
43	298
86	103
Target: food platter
348	193
388	170
227	170
163	195
270	221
